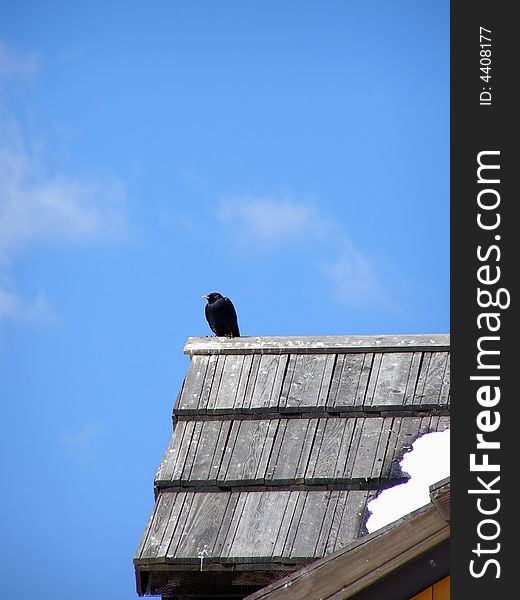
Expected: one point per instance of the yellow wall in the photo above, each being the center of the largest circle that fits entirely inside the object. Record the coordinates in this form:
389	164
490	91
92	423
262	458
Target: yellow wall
437	591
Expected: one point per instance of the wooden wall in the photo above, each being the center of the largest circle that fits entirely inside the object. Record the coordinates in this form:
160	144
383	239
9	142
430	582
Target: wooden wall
437	591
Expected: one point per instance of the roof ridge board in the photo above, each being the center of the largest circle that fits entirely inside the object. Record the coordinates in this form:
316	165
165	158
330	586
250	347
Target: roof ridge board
316	344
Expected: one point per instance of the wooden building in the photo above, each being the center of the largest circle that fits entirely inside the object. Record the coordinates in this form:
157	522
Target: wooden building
278	445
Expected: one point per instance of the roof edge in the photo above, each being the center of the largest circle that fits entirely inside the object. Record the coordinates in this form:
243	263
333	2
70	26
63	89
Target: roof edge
369	558
317	344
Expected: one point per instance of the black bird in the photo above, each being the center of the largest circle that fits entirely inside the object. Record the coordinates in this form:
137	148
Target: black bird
221	315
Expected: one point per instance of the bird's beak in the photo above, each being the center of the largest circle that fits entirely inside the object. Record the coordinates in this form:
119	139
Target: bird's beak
204	297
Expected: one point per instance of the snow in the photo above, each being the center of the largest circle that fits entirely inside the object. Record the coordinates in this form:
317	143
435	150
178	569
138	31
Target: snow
427	463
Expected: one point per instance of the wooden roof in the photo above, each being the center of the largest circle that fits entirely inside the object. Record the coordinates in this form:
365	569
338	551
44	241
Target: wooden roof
278	444
356	570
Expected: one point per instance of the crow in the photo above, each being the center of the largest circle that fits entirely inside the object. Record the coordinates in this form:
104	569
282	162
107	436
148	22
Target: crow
221	315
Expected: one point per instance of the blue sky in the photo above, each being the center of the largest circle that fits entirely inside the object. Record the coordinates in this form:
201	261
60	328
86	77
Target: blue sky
293	156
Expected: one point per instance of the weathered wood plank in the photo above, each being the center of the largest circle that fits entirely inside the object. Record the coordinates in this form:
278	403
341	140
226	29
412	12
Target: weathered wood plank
335	379
284	463
261	472
192	451
193	383
276	449
316	345
228	453
328	451
205	452
173	523
287	518
308	442
315	450
234	524
178	523
393	380
433	381
408	432
348	396
372	379
243	382
353	448
306	382
326	380
346	448
165	471
184	448
260	523
295	522
287	381
323	537
229	384
202	525
158	526
251	381
309	527
366	370
382	446
247	451
264	384
225	523
367	448
220	449
281	370
444	396
215	384
335	522
353	518
413	376
444	423
207	385
146	532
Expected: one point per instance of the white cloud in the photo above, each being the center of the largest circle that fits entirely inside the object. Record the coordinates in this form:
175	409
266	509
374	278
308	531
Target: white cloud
14	63
427	463
15	307
82	442
266	224
37	204
353	278
269	221
35	207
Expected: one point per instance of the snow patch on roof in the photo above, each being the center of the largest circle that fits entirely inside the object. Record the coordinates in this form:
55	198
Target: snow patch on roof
427	463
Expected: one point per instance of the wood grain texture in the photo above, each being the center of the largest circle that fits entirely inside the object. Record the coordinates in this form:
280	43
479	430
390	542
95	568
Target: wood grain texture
158	525
265	394
285	462
279	442
363	450
397	372
306	382
315	345
165	471
245	462
223	401
353	568
259	524
193	384
433	382
201	526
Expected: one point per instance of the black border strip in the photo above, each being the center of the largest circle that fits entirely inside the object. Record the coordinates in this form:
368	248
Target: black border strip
482	122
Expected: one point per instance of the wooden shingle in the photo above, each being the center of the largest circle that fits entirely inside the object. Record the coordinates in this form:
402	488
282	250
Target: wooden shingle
277	446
